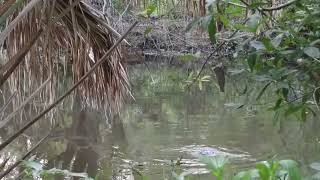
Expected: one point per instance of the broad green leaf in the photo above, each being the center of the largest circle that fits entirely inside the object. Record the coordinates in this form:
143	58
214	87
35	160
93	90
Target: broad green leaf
33	165
292	109
215	164
253	22
277	104
267	44
277	40
212	30
292	168
224	20
264	171
312	52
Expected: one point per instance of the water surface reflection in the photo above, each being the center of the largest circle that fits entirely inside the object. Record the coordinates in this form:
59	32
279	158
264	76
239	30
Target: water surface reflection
164	123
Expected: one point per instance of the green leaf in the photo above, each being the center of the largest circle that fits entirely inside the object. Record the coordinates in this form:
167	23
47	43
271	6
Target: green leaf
224	20
285	92
277	104
292	168
277	41
312	52
263	90
292	109
252	61
244	175
212	30
253	22
151	9
267	44
215	164
264	171
33	165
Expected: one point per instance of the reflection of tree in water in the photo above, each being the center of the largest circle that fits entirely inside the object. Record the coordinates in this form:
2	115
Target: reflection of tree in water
79	155
84	141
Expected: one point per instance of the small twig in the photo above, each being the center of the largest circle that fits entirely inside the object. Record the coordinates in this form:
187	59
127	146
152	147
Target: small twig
6	172
235	4
280	6
83	78
216	50
317	60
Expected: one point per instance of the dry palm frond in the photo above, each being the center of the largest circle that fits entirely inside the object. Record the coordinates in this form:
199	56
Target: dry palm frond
74	41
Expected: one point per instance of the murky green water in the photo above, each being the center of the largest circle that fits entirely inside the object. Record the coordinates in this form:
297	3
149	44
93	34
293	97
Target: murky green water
165	123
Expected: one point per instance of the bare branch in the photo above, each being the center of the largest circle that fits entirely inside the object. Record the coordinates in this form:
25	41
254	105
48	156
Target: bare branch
280	6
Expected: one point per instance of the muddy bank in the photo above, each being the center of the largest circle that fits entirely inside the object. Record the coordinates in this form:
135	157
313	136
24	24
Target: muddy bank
168	38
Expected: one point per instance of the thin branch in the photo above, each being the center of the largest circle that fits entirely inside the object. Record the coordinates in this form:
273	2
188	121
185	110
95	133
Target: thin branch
236	4
216	50
5	33
261	11
280	6
83	78
6	172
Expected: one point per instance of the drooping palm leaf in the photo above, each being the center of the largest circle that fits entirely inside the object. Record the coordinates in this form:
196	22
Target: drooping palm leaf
74	41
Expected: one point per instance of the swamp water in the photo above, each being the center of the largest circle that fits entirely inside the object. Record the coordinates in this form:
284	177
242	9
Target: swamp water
165	123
